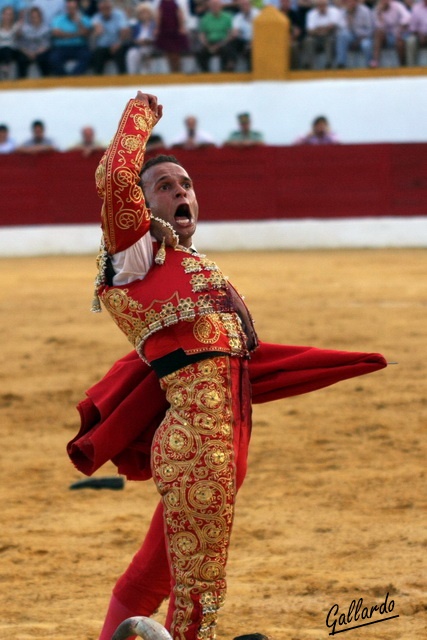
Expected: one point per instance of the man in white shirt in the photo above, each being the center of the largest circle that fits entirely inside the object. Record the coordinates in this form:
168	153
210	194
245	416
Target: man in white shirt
192	137
322	23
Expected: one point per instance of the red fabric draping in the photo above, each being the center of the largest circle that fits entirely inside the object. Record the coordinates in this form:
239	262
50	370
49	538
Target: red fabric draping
122	411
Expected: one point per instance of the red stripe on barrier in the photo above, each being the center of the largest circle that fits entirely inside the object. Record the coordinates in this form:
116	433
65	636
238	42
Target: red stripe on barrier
342	181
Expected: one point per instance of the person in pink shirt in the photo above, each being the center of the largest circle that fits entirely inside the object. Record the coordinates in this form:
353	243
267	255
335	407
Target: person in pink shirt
418	32
391	27
320	133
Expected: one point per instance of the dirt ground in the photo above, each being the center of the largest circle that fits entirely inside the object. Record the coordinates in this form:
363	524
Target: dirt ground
334	505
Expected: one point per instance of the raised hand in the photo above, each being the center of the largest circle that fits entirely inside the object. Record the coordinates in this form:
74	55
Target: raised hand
151	102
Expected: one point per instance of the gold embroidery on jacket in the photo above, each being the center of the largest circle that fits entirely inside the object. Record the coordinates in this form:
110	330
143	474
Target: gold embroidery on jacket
211	313
117	175
215	280
194	265
141	122
139	323
207	330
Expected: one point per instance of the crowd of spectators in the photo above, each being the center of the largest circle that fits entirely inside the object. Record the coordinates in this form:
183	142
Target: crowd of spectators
191	137
336	29
39	142
78	37
75	37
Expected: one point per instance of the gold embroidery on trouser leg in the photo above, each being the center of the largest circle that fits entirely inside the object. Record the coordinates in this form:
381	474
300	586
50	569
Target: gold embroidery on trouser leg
193	466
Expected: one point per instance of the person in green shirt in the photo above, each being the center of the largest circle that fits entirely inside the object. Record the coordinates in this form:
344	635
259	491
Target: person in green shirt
215	35
245	136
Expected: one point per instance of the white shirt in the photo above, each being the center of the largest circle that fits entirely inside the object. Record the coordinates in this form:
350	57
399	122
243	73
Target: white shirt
8	146
315	19
133	263
201	137
242	23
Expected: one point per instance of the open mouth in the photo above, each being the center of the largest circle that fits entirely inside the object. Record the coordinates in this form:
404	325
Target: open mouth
183	215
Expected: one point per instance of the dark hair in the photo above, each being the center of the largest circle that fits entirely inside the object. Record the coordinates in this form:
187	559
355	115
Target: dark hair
320	119
37	123
4	127
160	159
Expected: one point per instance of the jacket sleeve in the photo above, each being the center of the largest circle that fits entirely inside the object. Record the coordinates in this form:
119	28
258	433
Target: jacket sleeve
125	217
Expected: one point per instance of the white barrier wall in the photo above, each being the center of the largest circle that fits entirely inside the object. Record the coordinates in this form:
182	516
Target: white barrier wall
363	233
359	110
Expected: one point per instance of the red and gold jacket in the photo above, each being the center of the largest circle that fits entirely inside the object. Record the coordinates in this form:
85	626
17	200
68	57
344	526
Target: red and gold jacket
125	217
184	304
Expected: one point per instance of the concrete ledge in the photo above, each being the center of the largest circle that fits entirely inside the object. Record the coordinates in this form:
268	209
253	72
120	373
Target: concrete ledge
358	233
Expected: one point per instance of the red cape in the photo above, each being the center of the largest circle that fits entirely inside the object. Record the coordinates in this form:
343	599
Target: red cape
121	412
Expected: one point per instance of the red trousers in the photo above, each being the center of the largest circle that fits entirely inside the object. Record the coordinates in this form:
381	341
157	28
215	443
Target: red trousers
199	458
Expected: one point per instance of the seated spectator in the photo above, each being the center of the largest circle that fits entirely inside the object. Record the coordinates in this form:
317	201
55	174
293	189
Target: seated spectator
88	143
70	33
49	8
355	32
9	27
34	43
171	32
322	23
215	33
138	56
391	28
38	143
111	30
245	136
418	32
192	138
320	133
7	145
242	32
297	27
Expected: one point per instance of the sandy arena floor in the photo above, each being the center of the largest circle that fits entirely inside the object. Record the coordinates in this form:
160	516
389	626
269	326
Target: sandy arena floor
334	505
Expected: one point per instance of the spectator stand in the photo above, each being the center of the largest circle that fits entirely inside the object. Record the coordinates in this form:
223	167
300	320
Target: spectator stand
270	61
